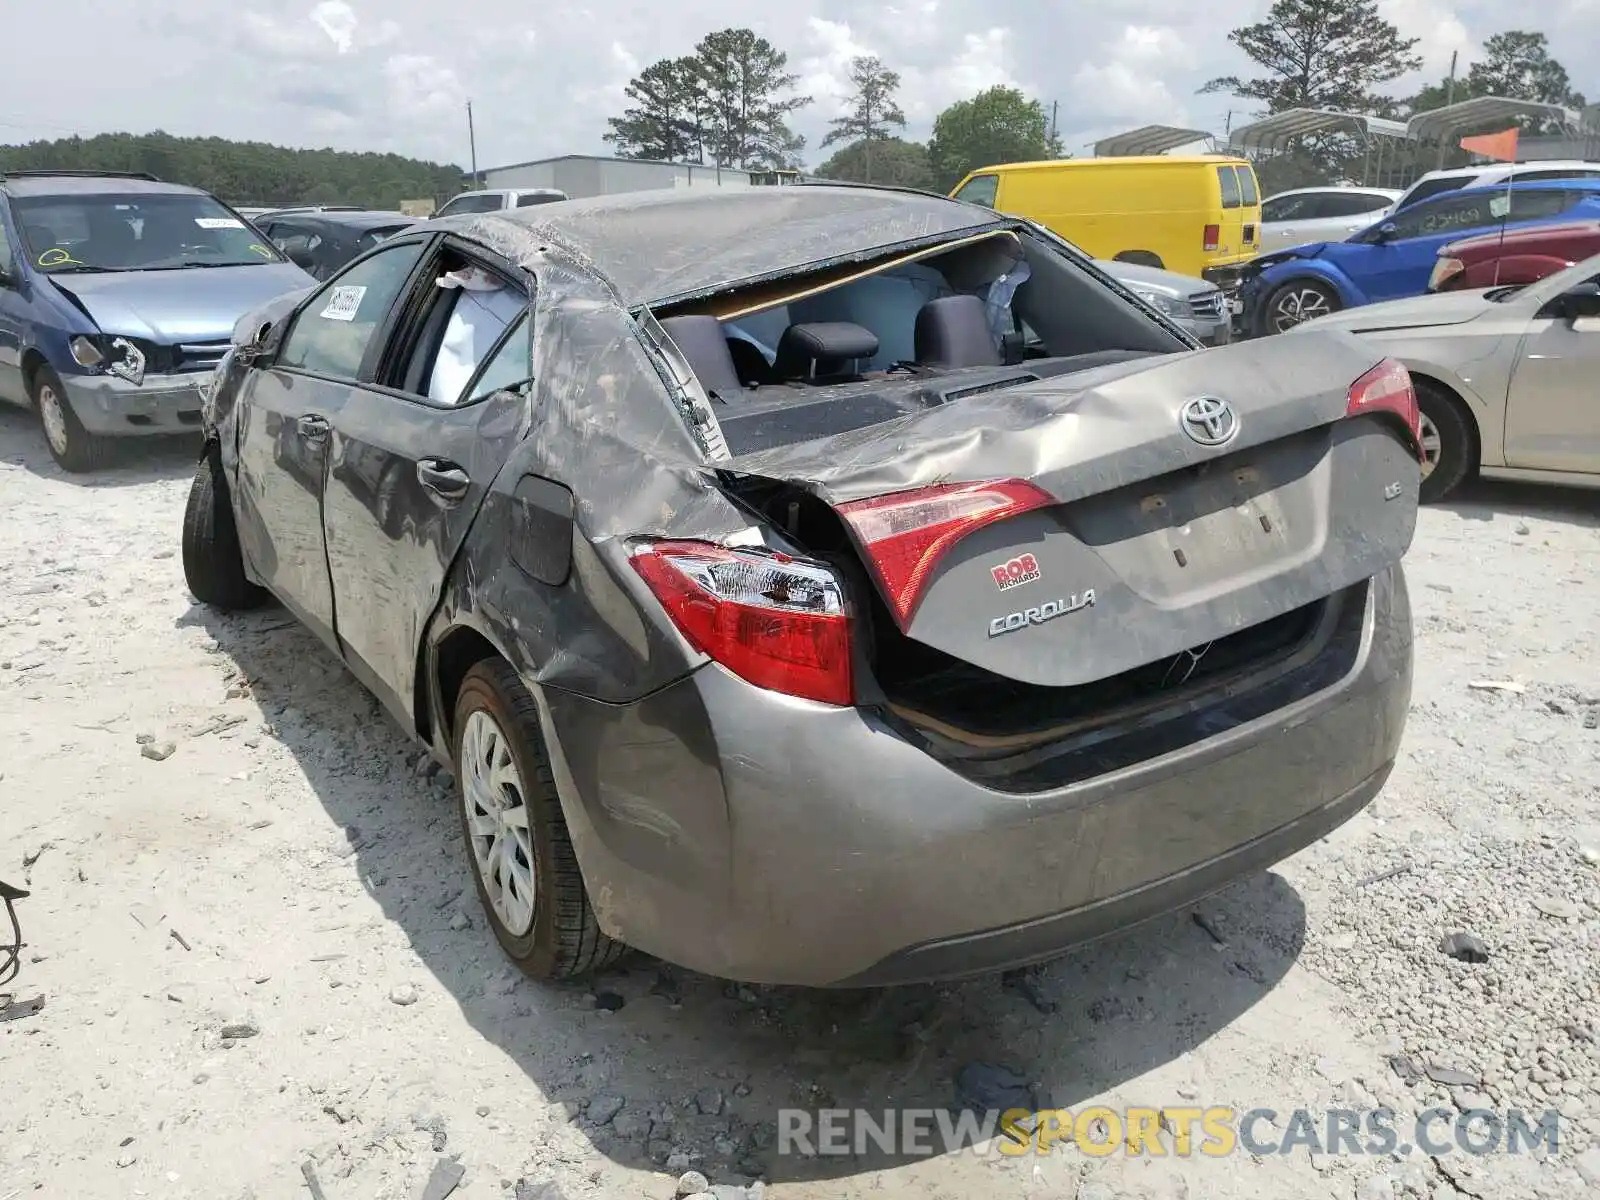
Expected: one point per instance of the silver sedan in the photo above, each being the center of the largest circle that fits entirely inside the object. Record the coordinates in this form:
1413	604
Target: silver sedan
1505	377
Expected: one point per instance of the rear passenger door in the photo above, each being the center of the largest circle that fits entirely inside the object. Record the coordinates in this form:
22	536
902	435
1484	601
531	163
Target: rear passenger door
285	423
411	457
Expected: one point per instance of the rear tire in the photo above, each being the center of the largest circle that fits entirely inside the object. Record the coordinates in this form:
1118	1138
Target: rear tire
1142	258
1449	442
516	834
73	447
213	565
1295	302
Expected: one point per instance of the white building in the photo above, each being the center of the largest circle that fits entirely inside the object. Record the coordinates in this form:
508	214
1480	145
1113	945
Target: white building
591	175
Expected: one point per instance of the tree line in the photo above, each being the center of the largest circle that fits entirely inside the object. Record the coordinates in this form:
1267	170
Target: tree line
1343	55
247	173
731	103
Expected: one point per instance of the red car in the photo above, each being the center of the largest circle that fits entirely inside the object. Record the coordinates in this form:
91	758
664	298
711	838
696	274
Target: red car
1517	256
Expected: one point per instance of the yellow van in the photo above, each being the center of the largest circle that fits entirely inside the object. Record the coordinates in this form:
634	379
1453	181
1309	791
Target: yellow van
1194	214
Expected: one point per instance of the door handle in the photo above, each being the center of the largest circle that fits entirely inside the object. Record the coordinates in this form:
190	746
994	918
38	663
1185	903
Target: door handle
444	481
312	428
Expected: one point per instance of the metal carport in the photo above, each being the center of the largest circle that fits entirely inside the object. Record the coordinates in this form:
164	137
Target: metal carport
1271	134
1147	139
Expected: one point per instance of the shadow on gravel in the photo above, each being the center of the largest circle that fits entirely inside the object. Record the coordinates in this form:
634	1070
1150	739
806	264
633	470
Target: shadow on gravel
1485	499
132	461
705	1065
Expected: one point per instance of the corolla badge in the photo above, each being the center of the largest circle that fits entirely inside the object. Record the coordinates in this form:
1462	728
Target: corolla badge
1038	615
1209	420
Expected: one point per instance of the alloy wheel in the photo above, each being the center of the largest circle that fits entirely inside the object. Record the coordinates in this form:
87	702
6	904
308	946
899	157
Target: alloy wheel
1296	305
497	822
1432	443
54	418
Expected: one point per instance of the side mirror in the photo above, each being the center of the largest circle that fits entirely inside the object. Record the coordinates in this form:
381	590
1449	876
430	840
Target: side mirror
1580	302
1386	232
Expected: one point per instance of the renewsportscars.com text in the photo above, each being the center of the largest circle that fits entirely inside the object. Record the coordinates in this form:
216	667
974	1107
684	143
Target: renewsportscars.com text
1183	1132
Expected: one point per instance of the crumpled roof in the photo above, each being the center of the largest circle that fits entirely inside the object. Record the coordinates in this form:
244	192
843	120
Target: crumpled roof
655	246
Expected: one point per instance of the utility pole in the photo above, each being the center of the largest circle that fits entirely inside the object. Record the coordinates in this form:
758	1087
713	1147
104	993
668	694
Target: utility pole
1055	106
1449	99
472	142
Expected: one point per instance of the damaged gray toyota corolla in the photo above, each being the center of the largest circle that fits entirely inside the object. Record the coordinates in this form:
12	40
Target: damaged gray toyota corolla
831	586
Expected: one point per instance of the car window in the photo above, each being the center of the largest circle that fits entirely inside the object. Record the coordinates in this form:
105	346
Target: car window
479	315
1288	208
1352	204
1247	185
139	231
472	204
980	190
510	366
527	201
1230	187
371	237
1445	215
1534	204
332	333
1557	173
8	261
1434	187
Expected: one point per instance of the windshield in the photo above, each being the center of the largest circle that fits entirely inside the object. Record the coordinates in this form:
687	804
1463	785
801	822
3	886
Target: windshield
372	237
136	233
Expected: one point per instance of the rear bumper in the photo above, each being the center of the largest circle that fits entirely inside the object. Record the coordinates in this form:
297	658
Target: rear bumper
113	407
753	837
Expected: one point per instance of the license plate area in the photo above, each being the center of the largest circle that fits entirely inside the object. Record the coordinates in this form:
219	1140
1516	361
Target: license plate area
1208	530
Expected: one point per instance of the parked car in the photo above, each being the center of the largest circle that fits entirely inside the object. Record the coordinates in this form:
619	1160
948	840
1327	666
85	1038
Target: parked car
1395	257
1505	378
322	242
498	199
1199	215
118	294
1513	256
663	606
1436	183
1321	214
1198	306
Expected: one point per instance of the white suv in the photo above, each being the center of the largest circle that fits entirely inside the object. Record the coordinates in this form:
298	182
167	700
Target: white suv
1449	180
1321	214
499	199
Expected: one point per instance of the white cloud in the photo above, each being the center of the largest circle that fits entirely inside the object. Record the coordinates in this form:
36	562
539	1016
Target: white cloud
338	21
395	76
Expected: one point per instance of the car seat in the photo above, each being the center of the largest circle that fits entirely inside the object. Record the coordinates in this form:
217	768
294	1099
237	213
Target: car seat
699	338
952	332
820	349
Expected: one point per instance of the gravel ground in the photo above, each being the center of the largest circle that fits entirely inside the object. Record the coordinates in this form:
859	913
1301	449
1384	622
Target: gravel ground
254	932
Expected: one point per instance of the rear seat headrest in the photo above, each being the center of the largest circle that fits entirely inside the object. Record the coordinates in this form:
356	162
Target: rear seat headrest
823	347
705	348
953	331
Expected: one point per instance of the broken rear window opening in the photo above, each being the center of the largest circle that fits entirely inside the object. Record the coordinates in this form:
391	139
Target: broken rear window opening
831	349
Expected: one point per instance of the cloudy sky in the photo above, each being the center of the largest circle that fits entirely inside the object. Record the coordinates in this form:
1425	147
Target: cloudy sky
363	75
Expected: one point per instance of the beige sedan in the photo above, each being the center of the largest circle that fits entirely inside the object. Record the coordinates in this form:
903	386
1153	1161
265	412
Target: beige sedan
1508	379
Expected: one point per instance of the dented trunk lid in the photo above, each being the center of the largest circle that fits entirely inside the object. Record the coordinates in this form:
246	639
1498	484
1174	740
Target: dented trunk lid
1153	542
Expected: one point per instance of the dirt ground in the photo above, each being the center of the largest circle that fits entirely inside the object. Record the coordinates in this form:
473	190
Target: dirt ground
261	950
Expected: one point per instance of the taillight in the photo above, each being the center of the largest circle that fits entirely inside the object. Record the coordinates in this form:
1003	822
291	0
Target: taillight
1444	269
1213	236
770	619
1387	388
905	534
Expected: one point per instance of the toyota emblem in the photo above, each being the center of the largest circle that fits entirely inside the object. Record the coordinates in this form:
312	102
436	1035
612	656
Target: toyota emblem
1209	420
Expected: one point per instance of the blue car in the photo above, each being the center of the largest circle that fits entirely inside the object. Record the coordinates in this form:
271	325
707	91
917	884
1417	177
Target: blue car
118	295
1394	258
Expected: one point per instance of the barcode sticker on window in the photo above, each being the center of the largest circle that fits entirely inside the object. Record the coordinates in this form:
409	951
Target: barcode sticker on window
343	303
218	223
